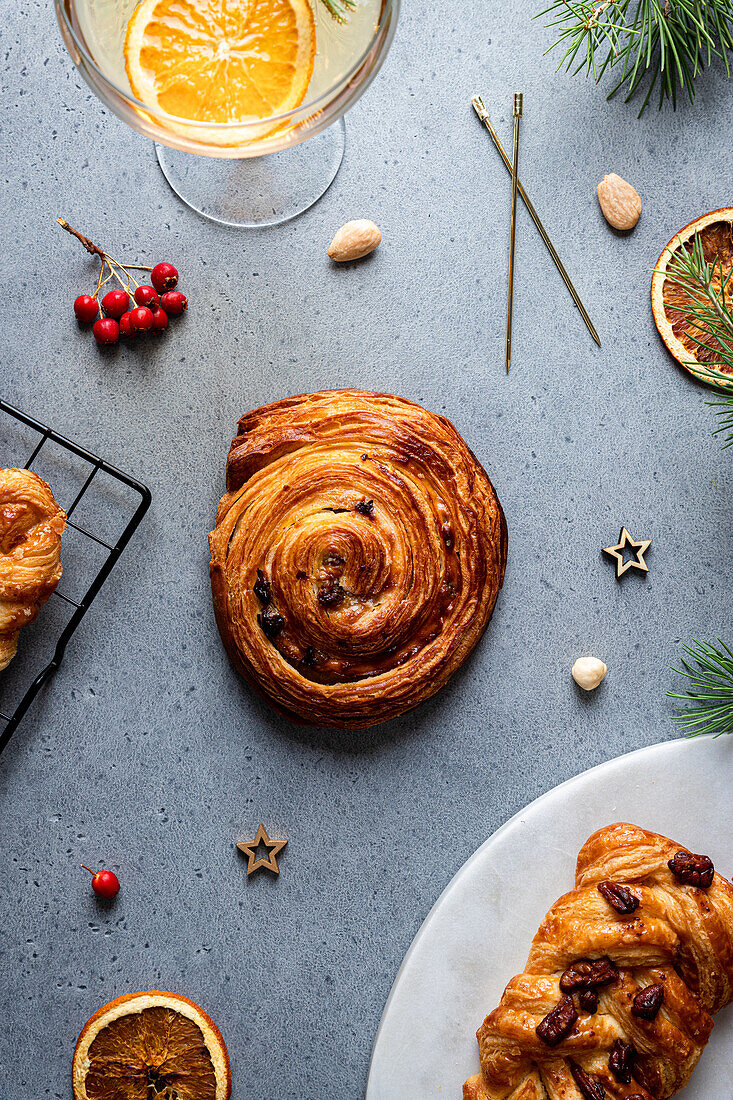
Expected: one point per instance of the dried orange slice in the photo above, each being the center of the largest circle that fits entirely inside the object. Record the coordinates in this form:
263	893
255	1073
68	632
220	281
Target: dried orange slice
151	1044
213	61
669	301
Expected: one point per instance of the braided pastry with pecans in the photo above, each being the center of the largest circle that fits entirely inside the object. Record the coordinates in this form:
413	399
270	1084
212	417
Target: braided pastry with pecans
357	555
624	973
31	525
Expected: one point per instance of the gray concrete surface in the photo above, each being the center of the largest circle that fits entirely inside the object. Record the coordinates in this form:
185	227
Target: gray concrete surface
147	755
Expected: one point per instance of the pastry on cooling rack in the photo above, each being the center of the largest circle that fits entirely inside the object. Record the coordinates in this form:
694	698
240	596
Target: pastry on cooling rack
617	994
357	555
31	525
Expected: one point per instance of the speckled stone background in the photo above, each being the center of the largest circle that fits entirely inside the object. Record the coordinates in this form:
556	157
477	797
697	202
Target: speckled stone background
146	754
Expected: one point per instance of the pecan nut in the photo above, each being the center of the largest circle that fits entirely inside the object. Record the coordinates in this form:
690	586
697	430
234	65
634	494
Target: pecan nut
587	973
558	1023
692	870
261	588
648	1001
619	897
588	1000
590	1087
621	1060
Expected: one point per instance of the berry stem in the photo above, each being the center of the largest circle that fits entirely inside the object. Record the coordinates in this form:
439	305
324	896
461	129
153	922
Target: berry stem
105	281
94	250
118	277
100	284
85	868
122	267
90	246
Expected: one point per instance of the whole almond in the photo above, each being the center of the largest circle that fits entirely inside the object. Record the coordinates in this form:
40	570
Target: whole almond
354	240
620	203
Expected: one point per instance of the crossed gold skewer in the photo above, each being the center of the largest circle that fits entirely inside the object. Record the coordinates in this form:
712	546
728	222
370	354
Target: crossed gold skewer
483	114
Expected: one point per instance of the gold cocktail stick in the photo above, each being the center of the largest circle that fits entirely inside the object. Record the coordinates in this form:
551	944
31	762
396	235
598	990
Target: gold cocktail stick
483	114
517	111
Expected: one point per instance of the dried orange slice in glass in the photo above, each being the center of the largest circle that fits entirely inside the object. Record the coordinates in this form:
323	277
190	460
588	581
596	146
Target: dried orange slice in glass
151	1044
671	303
221	61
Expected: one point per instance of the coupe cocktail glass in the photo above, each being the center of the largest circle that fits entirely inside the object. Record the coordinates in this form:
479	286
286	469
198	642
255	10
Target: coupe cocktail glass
242	173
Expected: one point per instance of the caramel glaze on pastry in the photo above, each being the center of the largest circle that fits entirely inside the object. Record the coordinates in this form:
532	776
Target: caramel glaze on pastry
624	973
31	525
357	555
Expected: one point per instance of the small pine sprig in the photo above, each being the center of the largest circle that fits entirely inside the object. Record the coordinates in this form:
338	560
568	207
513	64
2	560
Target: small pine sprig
723	407
724	412
670	41
339	9
710	675
708	310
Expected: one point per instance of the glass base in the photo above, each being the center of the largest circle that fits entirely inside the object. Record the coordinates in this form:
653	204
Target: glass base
256	191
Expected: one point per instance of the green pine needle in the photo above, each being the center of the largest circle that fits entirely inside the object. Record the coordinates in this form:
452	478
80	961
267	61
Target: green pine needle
710	689
670	41
708	309
339	9
723	407
724	412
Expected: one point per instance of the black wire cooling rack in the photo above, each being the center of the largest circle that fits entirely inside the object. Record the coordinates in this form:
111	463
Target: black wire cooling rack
110	552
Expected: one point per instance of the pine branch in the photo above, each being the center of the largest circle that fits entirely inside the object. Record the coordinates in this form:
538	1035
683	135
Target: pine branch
710	689
670	41
708	310
339	9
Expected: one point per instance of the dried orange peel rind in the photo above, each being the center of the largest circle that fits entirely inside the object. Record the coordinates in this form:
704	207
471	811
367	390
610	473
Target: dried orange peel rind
149	1039
204	62
716	234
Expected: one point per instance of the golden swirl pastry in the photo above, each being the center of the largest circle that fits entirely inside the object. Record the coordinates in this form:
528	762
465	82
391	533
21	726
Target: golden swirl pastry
31	525
624	973
357	555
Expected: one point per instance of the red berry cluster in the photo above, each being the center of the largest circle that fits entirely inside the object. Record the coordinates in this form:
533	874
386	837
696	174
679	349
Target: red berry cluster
151	306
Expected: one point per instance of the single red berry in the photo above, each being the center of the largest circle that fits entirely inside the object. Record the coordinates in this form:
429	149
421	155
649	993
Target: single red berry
160	321
174	302
146	296
125	329
86	308
141	319
106	331
105	884
164	277
115	302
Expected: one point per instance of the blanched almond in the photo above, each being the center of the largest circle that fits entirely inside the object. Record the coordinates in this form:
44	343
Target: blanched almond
620	203
354	240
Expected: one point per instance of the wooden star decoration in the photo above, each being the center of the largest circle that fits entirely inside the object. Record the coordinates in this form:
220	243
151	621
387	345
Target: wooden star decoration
617	553
274	847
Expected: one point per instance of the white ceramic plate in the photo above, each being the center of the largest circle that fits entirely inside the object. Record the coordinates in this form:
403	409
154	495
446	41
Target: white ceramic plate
477	935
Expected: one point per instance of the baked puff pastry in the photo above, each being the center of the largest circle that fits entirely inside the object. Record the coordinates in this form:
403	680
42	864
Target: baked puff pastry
357	555
617	995
31	525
